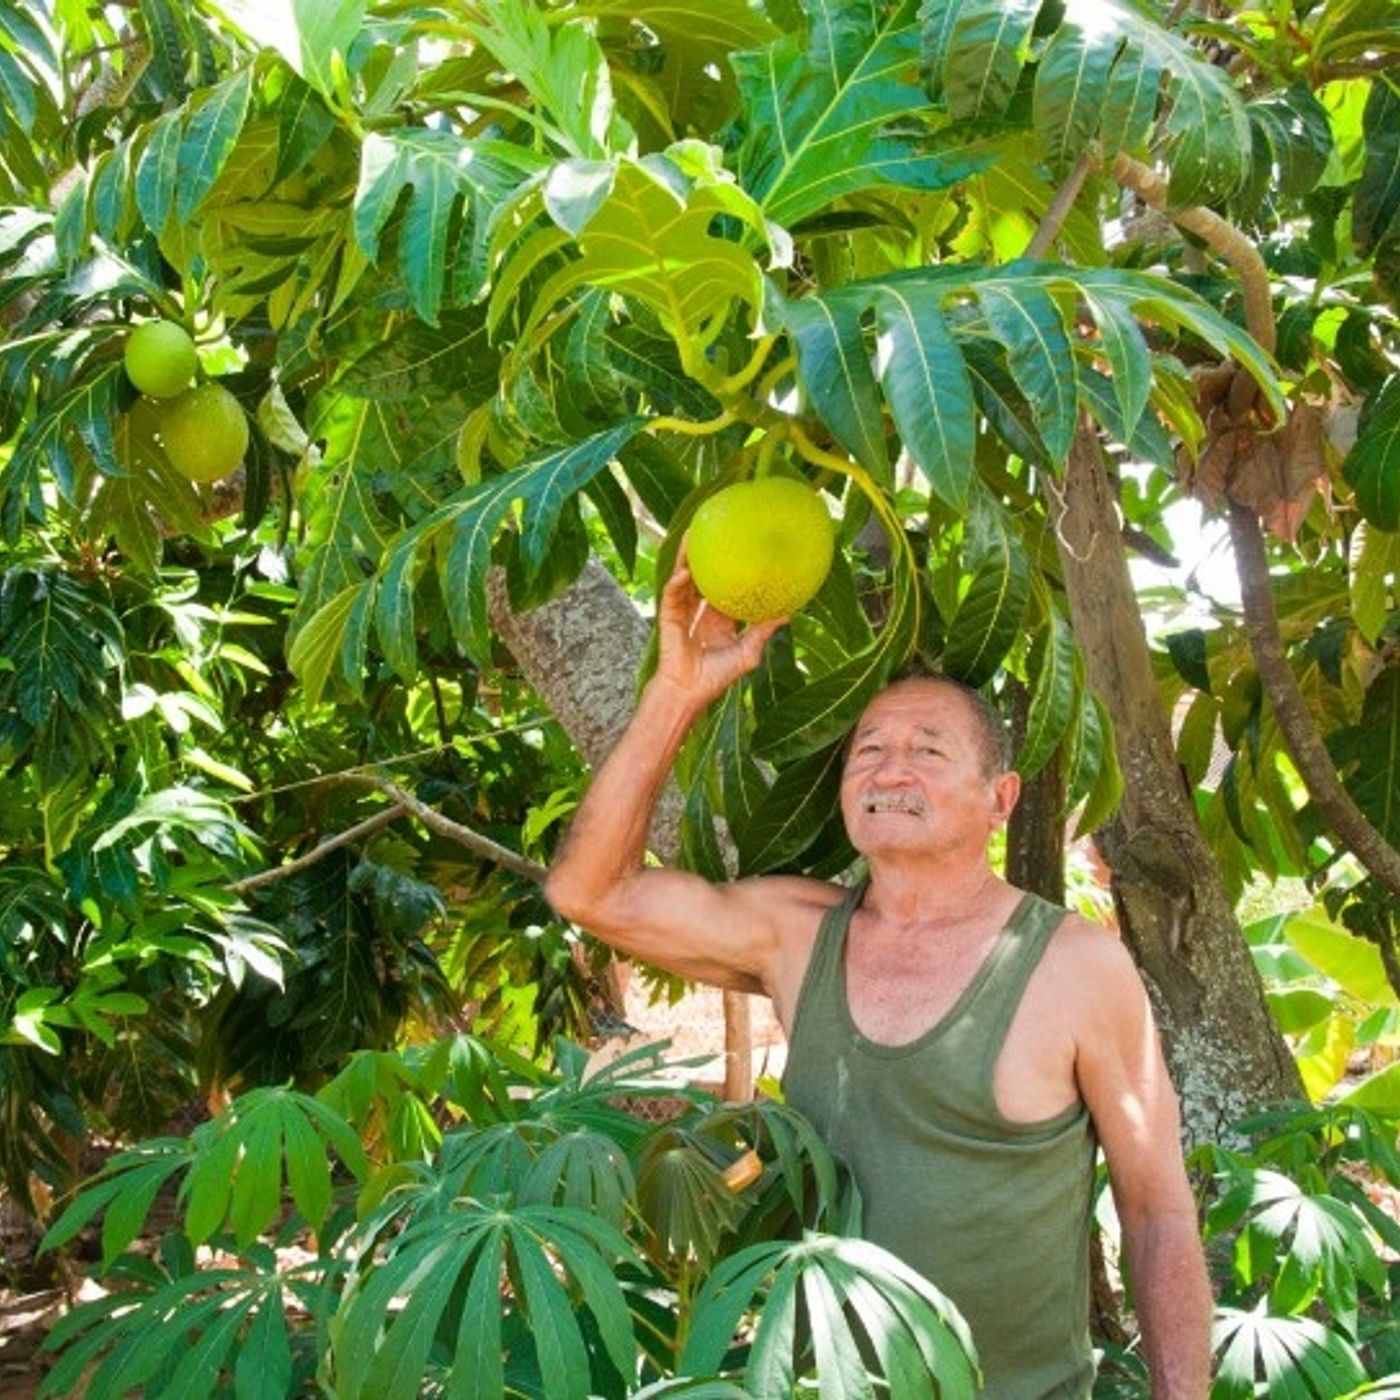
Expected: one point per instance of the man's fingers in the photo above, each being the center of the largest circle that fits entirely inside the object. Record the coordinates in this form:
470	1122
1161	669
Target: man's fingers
757	635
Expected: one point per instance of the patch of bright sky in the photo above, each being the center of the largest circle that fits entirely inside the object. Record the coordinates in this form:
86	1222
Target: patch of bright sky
1175	598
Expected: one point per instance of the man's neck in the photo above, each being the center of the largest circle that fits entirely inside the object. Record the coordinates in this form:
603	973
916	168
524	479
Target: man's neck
911	892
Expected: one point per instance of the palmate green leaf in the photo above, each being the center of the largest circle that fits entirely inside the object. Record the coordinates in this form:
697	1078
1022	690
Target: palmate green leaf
180	1337
583	1169
387	1321
814	132
237	1172
125	1189
988	619
683	1199
1373	464
791	814
891	1316
445	174
1294	1357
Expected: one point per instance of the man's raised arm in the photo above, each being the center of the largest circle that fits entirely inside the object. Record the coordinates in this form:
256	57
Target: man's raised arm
710	933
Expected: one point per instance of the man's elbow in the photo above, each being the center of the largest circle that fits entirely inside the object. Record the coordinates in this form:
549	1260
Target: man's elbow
565	897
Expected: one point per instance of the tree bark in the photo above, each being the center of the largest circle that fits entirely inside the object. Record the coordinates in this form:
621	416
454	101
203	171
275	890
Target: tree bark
582	651
1225	1054
1035	835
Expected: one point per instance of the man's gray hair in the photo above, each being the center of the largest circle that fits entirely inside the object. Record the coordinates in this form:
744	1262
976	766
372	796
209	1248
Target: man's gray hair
994	738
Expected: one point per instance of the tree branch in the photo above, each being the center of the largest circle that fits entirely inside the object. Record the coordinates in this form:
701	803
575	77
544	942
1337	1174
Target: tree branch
1309	753
331	843
1226	240
434	820
1059	208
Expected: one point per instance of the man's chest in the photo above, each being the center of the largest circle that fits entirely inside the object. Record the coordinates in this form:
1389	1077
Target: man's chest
897	996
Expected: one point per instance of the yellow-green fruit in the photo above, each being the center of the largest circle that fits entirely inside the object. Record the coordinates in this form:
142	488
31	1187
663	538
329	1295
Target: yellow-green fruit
761	548
159	358
204	432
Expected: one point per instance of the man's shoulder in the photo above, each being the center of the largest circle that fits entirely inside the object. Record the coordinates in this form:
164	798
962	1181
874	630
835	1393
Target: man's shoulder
1089	956
786	897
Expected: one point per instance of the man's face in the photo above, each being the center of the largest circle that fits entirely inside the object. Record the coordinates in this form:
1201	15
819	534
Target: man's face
916	774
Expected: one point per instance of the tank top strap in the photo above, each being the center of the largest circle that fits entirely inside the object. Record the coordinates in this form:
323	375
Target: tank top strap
1015	958
820	997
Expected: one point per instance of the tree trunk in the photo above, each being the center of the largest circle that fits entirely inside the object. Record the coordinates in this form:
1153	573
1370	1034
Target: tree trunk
582	651
1225	1054
1035	835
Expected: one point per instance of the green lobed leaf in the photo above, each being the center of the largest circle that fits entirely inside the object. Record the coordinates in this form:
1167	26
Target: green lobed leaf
990	41
1377	198
791	814
1050	671
155	170
1028	323
925	381
988	619
208	141
1373	464
1072	89
813	134
444	174
834	363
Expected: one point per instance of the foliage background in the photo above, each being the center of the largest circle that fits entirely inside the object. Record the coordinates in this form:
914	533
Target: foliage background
506	289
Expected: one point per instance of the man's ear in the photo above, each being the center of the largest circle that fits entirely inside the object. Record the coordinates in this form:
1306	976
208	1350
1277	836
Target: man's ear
1006	789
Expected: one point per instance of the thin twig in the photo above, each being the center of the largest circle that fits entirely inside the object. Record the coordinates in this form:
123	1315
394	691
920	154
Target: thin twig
1060	206
455	831
331	843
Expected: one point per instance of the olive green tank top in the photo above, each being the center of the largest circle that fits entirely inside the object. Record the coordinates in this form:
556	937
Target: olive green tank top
995	1213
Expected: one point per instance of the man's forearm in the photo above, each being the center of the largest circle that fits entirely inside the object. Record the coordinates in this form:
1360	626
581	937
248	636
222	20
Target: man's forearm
1172	1298
607	839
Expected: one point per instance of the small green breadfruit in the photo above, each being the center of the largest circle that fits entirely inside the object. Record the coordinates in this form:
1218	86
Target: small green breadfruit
762	548
159	358
204	432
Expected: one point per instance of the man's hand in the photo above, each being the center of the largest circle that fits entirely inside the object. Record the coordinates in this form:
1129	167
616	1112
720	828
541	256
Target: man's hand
702	652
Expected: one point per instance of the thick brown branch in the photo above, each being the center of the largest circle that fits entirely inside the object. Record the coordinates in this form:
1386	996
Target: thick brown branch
331	843
1223	237
434	820
1309	752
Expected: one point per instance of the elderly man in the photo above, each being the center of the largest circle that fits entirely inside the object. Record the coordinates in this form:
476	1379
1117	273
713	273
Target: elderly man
962	1046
